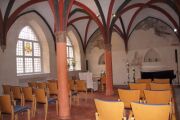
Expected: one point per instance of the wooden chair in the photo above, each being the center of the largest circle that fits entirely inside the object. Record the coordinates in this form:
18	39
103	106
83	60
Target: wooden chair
138	86
32	84
128	96
6	107
161	81
53	88
109	110
7	89
52	81
103	82
29	97
158	97
41	85
17	94
42	98
81	86
146	81
73	93
72	85
155	86
150	112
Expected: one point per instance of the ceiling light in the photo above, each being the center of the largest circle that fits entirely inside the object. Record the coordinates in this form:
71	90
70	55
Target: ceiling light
114	15
175	30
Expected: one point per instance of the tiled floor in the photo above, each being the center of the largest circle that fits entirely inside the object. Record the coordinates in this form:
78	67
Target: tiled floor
84	111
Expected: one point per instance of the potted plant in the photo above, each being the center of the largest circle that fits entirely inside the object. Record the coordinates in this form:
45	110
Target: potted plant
73	63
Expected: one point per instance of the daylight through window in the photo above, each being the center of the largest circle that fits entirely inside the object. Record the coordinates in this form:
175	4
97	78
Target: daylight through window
28	52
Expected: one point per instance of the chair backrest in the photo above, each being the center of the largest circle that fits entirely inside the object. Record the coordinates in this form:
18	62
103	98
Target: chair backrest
144	81
103	79
109	110
161	81
156	86
128	96
53	88
40	95
41	85
5	104
32	84
28	94
138	86
72	85
158	97
81	85
6	89
150	112
147	81
52	81
17	92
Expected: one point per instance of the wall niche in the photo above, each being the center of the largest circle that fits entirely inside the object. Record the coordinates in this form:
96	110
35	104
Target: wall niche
152	56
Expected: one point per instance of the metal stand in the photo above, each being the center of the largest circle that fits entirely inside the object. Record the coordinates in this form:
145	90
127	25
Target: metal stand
177	74
134	75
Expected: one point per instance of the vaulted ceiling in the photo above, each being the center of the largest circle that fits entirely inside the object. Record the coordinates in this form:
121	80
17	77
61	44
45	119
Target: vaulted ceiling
87	16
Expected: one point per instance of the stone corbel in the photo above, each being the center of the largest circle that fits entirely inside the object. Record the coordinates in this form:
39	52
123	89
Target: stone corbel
60	36
3	46
108	46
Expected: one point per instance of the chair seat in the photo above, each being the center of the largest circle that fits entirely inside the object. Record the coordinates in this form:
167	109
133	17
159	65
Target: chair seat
19	108
74	93
52	100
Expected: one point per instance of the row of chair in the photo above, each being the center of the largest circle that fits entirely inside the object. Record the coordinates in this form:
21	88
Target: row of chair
7	107
155	80
149	86
114	110
75	85
128	96
28	94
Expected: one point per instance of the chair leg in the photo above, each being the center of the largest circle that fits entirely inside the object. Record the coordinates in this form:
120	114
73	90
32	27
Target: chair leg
28	114
46	109
57	109
21	101
86	96
97	116
70	99
16	116
12	116
78	99
35	107
0	116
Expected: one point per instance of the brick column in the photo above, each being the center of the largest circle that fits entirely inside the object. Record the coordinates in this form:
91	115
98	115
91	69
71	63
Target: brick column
63	91
108	61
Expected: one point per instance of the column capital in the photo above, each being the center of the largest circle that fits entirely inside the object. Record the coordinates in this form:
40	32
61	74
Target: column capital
60	36
108	46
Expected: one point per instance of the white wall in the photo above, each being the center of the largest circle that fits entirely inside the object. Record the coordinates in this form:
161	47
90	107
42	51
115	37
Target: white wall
93	52
139	43
8	57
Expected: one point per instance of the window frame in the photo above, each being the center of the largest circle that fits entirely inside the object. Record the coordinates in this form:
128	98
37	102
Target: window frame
70	59
33	57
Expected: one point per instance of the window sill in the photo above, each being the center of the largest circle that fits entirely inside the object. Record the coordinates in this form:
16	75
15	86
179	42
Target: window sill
30	74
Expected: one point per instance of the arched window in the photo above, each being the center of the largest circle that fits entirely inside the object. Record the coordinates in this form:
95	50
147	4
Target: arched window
70	55
28	52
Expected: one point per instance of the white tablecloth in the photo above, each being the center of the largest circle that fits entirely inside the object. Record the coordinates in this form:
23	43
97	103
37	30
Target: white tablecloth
88	77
